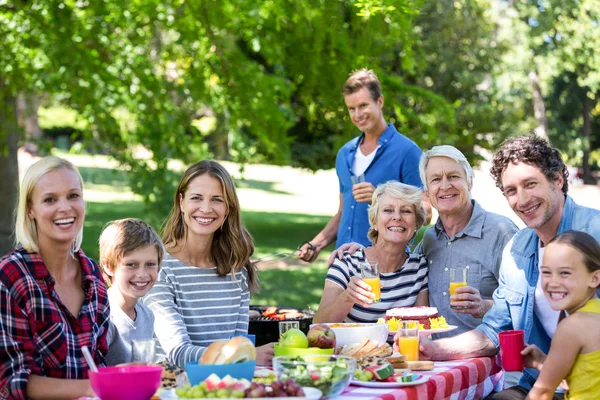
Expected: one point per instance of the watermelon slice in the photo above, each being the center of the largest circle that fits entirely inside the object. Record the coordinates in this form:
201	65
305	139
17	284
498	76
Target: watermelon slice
381	372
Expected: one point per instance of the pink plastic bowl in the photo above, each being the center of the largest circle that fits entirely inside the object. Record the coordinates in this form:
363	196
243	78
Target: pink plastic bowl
134	382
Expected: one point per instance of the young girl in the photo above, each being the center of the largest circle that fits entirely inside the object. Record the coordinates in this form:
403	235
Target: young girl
130	254
203	289
570	275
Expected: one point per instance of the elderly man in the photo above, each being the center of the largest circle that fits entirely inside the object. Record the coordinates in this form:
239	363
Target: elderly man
533	178
465	235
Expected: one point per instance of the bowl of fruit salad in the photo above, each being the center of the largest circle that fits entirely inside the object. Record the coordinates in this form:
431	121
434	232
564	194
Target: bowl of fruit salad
330	374
230	388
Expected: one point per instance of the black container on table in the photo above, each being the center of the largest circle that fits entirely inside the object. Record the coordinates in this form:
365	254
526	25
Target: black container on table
268	330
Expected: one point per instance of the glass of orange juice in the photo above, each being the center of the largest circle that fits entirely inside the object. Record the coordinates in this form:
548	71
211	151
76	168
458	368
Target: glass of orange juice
370	275
408	339
458	278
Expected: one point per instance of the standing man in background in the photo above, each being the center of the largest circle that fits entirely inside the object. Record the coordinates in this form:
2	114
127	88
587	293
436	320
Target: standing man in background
378	155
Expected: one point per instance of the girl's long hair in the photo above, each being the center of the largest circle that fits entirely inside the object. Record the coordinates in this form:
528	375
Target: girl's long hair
232	245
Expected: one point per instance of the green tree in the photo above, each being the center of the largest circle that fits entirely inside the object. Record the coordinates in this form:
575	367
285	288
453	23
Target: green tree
260	66
269	73
564	35
459	58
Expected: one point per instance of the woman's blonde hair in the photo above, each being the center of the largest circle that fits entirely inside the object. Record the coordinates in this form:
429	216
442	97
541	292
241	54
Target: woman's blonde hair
121	237
25	228
232	245
410	194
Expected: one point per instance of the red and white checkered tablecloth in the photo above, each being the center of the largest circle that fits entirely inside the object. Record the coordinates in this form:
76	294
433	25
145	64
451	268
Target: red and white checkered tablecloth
456	380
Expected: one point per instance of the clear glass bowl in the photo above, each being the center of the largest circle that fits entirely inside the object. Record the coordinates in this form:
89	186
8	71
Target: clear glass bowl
330	374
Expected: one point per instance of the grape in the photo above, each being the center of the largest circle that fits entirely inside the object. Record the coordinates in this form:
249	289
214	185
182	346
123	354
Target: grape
257	391
291	388
277	386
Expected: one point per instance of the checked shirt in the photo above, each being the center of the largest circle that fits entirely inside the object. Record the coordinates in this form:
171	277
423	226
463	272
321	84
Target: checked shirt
38	334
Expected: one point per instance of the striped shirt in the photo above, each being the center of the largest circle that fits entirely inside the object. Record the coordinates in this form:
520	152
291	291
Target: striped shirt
194	307
38	333
398	288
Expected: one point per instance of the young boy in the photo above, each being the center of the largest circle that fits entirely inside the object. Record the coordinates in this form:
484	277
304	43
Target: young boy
130	254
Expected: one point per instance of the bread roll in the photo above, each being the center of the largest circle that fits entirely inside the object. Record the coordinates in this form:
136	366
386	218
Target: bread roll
212	352
237	349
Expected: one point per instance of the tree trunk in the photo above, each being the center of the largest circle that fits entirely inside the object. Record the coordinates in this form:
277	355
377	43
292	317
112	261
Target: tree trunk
27	114
588	179
9	168
539	108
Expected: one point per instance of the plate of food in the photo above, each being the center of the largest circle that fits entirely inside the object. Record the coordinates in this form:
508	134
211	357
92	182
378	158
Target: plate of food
429	320
386	372
399	379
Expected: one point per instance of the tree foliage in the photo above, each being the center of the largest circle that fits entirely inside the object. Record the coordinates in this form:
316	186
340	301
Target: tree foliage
268	73
458	98
564	36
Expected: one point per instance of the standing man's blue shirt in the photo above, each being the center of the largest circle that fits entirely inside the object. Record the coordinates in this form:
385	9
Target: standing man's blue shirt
397	158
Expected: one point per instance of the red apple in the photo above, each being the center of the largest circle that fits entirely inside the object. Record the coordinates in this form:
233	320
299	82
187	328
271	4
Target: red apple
321	336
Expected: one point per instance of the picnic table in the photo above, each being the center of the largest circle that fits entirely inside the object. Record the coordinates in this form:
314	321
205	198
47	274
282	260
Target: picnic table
462	379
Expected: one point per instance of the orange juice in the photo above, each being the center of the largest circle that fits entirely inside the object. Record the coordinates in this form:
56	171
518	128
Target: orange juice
375	284
456	285
409	347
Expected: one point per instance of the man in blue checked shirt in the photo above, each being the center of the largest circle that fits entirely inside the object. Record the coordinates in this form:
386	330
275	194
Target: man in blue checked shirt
533	178
378	155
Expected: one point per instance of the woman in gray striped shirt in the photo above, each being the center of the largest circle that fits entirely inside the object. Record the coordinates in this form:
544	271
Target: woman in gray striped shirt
395	215
202	293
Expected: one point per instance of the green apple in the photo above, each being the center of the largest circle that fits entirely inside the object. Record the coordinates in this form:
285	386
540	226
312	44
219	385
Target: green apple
294	338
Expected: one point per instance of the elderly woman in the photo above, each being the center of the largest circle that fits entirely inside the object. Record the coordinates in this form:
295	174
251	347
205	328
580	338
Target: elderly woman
52	295
465	235
395	215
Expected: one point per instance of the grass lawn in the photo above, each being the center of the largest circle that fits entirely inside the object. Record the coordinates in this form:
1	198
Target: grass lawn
109	197
288	283
272	232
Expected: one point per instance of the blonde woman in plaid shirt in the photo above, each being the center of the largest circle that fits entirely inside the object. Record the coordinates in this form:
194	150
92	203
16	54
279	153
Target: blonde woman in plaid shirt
52	296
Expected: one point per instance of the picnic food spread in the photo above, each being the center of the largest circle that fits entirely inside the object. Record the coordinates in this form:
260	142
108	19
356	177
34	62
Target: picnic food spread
375	362
365	361
421	314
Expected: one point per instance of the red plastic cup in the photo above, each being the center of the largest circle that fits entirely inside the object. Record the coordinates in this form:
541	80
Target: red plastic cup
511	345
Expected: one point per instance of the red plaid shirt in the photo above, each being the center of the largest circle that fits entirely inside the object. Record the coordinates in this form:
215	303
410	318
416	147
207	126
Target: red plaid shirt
38	334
